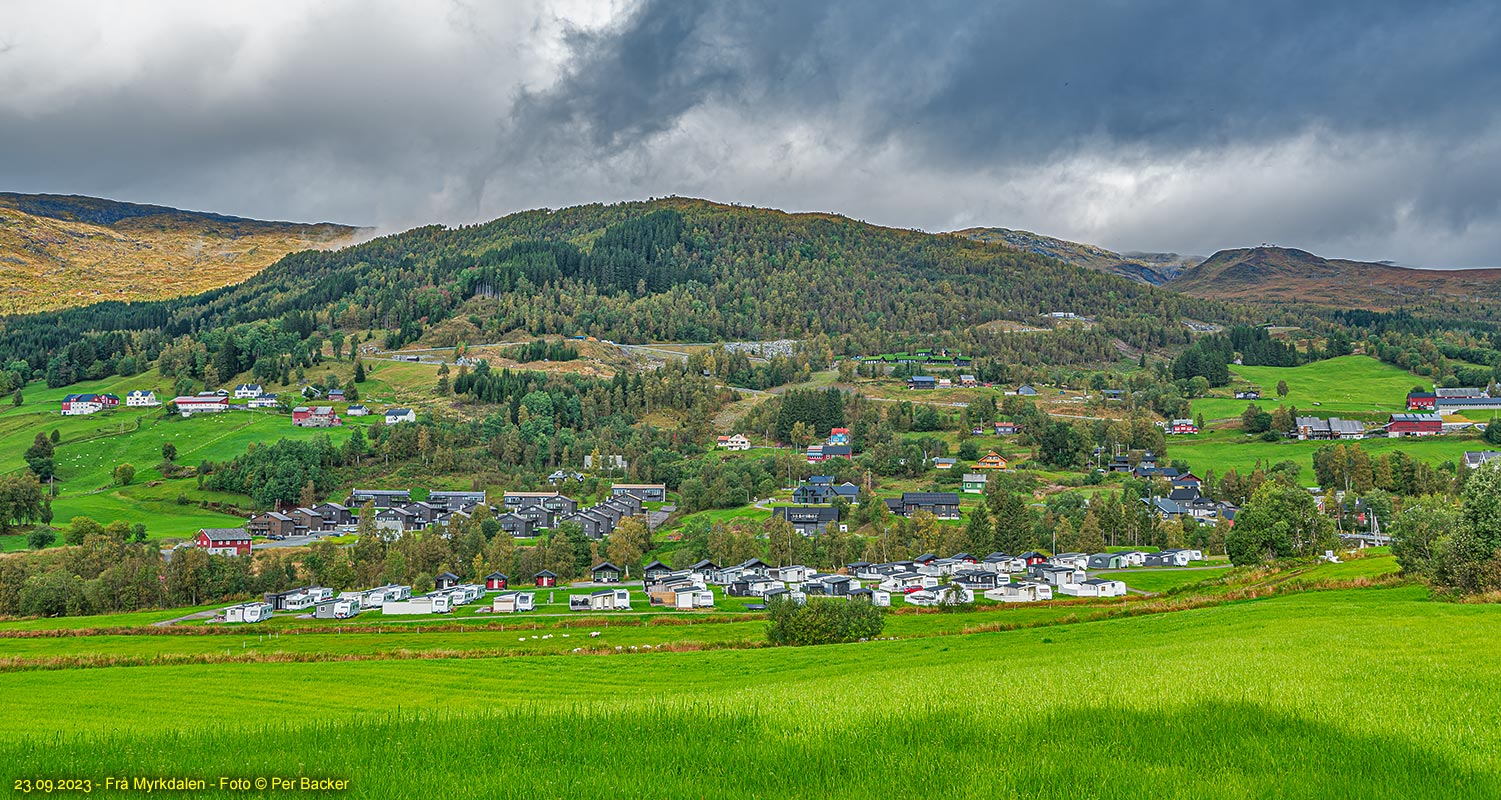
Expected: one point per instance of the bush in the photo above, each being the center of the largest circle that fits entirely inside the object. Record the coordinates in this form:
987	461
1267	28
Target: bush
822	621
40	538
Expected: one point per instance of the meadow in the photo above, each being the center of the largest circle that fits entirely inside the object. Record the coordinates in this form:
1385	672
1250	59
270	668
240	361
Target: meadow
91	446
1356	385
1222	450
1348	693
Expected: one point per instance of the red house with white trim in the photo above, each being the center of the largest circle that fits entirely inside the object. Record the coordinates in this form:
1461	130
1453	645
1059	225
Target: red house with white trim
1182	426
223	541
1422	401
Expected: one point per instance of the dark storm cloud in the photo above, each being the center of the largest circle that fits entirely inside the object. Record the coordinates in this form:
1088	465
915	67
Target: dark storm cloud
1360	129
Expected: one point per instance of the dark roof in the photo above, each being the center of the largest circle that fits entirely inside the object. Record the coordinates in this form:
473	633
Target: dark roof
603	565
546	573
500	575
224	534
448	575
930	498
657	563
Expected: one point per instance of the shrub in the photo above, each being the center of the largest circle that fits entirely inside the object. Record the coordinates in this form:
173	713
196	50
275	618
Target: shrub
822	621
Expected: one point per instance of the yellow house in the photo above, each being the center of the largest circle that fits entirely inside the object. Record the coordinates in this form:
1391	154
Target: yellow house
992	460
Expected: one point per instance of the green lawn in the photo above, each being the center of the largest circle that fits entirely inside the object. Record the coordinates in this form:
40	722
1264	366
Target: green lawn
1344	385
1284	697
1162	580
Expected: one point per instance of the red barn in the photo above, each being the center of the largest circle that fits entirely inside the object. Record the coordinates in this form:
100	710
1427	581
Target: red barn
223	541
1422	401
1414	425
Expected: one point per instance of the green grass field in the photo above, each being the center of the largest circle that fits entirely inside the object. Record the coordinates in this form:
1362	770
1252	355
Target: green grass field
91	446
1348	385
1231	449
1352	693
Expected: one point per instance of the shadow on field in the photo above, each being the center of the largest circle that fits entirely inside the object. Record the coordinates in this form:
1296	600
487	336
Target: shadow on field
1193	751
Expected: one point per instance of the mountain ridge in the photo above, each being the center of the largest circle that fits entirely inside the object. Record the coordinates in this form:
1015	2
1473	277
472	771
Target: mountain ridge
1153	268
1291	275
61	251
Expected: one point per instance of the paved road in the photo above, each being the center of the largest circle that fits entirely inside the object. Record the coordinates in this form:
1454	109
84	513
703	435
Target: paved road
185	618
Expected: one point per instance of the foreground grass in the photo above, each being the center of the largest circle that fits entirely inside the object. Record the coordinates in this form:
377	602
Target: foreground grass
1356	693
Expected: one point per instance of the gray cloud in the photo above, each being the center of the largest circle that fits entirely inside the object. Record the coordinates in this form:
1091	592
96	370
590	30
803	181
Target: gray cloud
1354	129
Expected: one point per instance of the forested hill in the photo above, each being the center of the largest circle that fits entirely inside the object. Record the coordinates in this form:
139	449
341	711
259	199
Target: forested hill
663	270
58	251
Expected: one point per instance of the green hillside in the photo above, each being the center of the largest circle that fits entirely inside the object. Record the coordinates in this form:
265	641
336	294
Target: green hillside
1348	384
60	251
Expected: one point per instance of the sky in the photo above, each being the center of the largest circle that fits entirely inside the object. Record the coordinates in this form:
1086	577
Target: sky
1351	128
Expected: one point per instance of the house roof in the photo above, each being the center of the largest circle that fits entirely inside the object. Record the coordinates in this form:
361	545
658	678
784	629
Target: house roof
605	565
975	477
930	498
398	411
494	575
545	573
224	534
447	575
657	564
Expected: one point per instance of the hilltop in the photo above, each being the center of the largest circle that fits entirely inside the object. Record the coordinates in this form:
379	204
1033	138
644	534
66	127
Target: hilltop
1153	268
1280	274
673	269
58	251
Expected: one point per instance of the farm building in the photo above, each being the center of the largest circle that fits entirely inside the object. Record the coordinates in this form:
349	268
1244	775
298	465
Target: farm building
1182	426
1414	425
245	391
199	404
315	417
1006	428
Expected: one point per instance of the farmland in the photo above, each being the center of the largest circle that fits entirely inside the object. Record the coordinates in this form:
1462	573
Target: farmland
1231	449
1221	699
1344	385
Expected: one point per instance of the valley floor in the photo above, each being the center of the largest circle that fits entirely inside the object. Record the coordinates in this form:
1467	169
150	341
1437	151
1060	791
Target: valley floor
1341	693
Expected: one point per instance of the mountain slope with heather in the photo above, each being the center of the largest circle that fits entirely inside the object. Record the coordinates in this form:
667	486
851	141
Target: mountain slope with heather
1153	268
1286	275
59	251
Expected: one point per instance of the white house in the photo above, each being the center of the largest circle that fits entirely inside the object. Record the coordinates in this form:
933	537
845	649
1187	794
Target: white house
245	391
137	398
735	442
395	415
248	612
262	401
